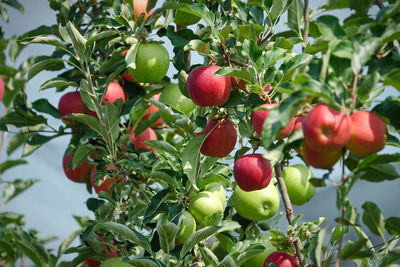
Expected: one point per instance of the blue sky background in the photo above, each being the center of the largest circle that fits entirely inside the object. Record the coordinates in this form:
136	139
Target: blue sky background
50	204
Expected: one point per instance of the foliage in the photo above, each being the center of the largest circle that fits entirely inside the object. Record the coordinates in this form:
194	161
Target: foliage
345	64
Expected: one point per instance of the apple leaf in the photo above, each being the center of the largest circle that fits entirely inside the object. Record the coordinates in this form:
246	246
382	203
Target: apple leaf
155	204
11	163
81	153
78	41
227	261
16	187
167	231
373	218
352	248
43	105
162	146
209	257
57	82
45	64
392	225
191	158
197	237
144	262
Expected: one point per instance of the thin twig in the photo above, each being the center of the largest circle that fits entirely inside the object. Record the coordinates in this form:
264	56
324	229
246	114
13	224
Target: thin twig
306	25
288	209
354	92
342	212
379	3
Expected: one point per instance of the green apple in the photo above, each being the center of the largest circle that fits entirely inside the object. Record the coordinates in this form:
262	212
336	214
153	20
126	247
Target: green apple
171	95
257	205
218	190
115	262
258	259
151	64
205	204
297	180
187	227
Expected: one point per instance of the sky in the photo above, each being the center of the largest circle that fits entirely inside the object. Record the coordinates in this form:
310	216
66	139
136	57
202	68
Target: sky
50	204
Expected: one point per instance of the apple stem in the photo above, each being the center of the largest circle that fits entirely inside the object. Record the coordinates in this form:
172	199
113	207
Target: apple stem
288	208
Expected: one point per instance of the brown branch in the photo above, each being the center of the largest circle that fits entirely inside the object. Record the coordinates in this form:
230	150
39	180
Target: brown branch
306	25
379	3
288	209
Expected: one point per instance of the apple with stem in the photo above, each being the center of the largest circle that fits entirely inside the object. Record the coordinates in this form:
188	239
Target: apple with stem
146	135
207	89
221	138
297	180
367	133
80	174
252	172
326	129
257	205
205	204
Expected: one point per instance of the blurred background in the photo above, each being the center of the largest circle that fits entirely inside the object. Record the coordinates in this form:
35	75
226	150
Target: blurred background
50	204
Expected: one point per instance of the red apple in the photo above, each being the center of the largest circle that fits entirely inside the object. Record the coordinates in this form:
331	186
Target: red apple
146	135
71	103
152	109
92	262
259	117
2	88
297	123
252	172
206	89
114	91
367	133
105	184
139	7
128	77
80	174
267	88
320	159
221	138
325	128
281	259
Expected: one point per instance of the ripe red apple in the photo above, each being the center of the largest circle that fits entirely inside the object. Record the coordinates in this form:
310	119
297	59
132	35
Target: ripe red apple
102	184
80	174
221	138
146	135
206	89
114	91
139	7
267	88
281	259
297	123
259	117
152	109
325	128
320	159
2	88
71	103
367	133
92	262
252	172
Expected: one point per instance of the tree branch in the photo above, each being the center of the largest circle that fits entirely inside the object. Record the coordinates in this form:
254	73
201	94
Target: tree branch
379	3
342	212
288	209
306	25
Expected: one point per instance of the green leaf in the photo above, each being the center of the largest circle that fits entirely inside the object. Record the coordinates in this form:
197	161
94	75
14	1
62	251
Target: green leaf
373	218
16	141
45	40
203	48
200	10
329	27
67	242
100	36
22	118
295	15
227	262
246	74
43	105
167	231
11	163
90	121
46	64
393	78
29	250
363	53
144	262
112	119
316	244
198	237
392	225
352	248
57	82
162	146
78	41
81	154
155	204
130	234
16	187
278	8
191	158
389	108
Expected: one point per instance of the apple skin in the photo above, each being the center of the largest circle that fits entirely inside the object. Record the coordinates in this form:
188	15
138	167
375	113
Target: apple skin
221	139
259	116
71	103
114	91
205	204
267	88
299	188
105	185
115	262
218	190
367	133
256	205
152	109
281	259
258	259
318	159
172	95
297	123
2	88
78	175
139	7
152	63
325	128
187	227
252	172
206	89
92	262
146	135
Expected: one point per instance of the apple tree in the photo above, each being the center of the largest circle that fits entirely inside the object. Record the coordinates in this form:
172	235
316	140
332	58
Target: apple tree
188	153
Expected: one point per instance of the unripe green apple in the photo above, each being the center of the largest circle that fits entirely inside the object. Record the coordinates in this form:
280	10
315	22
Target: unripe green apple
258	259
256	205
187	227
297	180
115	262
218	190
151	64
171	95
205	204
